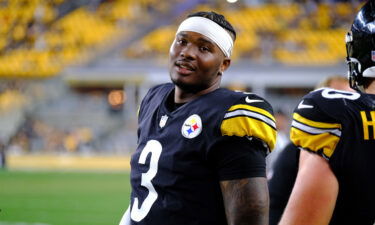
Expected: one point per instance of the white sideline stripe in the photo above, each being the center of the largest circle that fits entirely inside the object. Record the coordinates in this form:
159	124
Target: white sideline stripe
22	223
28	161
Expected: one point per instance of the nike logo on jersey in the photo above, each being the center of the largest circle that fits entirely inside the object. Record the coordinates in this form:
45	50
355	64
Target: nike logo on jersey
248	100
304	106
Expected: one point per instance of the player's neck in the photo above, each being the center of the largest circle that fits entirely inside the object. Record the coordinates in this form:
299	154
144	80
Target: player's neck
371	88
181	96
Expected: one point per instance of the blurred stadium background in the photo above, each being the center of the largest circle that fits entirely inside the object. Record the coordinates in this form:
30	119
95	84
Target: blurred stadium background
74	71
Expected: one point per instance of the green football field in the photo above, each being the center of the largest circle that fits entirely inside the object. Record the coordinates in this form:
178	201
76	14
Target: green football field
62	198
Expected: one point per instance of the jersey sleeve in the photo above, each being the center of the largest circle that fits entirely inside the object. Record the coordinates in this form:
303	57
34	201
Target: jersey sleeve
251	117
313	128
235	158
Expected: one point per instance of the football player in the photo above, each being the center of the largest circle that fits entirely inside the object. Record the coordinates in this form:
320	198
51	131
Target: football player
336	132
201	148
283	167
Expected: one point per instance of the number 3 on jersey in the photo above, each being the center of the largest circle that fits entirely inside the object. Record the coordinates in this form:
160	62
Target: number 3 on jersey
154	147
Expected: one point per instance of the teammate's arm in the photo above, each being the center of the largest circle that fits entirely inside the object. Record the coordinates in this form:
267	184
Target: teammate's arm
246	201
314	194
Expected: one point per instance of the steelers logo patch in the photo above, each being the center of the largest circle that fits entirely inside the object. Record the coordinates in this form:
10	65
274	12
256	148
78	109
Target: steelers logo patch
192	126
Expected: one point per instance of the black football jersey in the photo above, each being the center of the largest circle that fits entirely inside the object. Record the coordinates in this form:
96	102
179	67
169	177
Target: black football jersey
172	178
340	126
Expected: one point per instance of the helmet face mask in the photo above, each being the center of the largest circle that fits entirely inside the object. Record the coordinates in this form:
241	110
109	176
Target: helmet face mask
354	73
360	46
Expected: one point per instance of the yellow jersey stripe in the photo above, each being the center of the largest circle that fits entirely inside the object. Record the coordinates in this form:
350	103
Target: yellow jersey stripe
245	126
314	142
315	124
252	108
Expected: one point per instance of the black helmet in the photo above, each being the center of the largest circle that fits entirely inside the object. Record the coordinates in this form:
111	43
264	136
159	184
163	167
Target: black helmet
360	46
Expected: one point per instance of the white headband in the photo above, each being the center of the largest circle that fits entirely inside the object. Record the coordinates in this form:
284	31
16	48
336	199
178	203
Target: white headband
209	29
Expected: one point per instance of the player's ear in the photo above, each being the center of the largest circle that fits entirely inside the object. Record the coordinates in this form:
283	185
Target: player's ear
225	64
